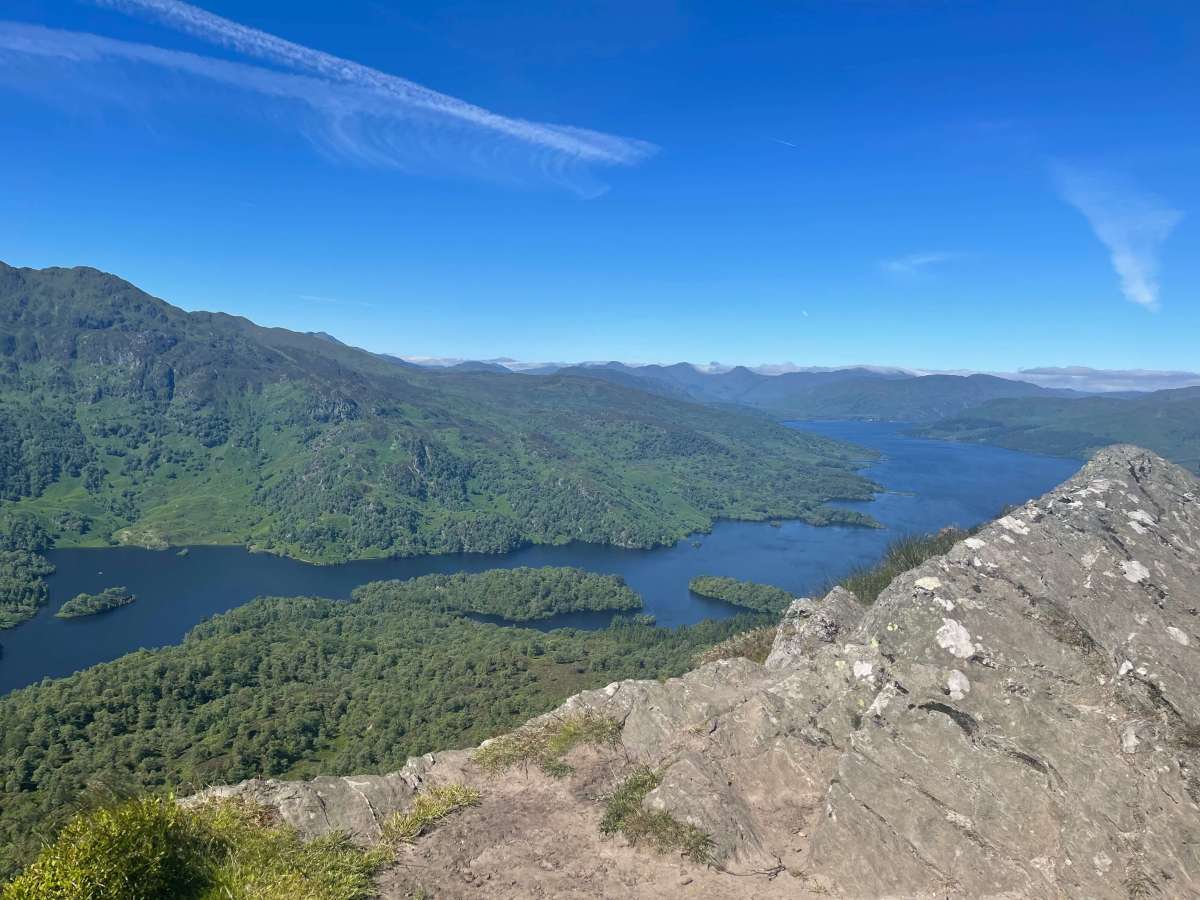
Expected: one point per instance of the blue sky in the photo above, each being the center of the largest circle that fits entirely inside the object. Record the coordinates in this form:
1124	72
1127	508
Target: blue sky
936	185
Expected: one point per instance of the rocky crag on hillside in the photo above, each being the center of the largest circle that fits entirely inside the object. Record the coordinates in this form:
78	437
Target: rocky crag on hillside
1017	718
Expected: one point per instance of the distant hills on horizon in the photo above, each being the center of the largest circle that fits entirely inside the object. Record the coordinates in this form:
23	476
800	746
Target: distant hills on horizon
852	392
976	407
855	393
1082	380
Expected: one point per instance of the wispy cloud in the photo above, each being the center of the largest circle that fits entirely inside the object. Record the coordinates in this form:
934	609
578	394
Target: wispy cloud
916	262
252	42
1131	224
362	113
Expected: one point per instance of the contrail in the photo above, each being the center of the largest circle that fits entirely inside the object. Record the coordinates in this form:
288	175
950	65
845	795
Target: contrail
915	262
580	143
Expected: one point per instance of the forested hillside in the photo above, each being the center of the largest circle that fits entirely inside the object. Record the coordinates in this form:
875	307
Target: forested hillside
1167	422
127	419
304	685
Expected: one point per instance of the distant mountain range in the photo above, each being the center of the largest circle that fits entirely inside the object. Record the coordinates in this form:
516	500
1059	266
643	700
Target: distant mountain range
1007	412
854	393
790	391
1081	379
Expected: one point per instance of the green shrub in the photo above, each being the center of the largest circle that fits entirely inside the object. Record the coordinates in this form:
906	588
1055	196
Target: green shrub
146	848
151	848
253	860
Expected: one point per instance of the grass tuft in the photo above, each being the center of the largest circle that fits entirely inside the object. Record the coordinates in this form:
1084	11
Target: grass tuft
624	814
754	645
546	743
151	848
907	553
428	808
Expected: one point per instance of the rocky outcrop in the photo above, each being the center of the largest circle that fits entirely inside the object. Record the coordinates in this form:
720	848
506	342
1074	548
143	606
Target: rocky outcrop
1034	731
1017	718
806	625
357	805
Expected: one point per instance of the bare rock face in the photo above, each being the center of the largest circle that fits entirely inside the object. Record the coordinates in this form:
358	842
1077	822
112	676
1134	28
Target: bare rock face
1041	732
1017	718
357	805
807	625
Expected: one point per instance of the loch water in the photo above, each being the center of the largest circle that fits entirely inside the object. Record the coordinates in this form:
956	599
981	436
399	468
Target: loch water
929	485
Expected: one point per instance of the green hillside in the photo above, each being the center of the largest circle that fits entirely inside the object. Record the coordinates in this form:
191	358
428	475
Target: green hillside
130	420
1167	422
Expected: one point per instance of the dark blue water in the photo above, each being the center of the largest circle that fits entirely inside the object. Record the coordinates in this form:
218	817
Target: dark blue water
930	484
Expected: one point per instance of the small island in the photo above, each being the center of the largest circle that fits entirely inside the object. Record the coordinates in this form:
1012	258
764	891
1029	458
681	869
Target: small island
748	594
90	604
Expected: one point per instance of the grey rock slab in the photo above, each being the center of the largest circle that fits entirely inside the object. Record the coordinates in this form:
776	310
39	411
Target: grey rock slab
356	805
